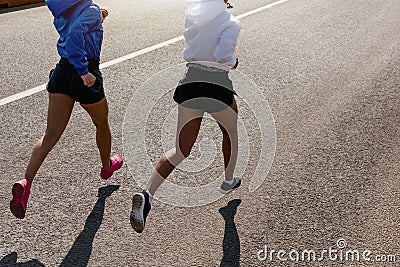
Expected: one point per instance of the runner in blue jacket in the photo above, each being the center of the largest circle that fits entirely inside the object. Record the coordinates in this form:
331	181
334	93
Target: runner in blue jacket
76	78
79	24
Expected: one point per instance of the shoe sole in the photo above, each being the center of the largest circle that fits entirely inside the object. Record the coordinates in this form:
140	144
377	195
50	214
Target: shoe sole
137	220
16	207
237	186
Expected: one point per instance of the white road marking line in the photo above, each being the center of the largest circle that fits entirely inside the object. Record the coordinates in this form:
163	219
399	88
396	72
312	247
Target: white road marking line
23	94
260	9
140	52
42	87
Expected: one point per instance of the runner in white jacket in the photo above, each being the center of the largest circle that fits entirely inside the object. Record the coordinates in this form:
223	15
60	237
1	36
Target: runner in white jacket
211	35
211	32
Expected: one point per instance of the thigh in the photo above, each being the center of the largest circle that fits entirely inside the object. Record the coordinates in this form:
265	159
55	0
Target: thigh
97	111
189	122
59	112
61	79
227	118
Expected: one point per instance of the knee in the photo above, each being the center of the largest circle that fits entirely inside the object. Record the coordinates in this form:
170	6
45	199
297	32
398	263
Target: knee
50	138
162	161
176	156
223	130
184	152
103	123
229	131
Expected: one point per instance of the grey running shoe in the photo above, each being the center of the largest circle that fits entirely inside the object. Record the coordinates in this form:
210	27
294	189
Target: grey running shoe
226	188
140	209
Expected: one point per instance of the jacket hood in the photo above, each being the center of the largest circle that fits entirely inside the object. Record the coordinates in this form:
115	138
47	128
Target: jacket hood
59	7
200	12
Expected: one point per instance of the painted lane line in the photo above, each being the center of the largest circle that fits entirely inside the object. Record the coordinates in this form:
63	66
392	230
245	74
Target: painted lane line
254	11
23	94
140	52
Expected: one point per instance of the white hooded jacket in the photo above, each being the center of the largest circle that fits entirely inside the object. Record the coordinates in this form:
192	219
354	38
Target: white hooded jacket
211	32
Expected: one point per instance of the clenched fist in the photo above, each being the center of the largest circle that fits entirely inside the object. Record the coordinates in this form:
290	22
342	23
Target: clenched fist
88	79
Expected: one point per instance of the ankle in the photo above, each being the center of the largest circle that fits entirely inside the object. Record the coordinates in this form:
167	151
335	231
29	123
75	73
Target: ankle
230	182
150	196
109	164
29	181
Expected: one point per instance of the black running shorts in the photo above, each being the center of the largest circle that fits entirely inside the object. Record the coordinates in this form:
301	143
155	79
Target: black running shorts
211	91
64	79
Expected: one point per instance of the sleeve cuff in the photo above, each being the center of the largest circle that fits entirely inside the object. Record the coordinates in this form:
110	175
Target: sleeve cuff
82	71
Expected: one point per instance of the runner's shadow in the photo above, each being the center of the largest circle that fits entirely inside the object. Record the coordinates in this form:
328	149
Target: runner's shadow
10	260
231	243
79	254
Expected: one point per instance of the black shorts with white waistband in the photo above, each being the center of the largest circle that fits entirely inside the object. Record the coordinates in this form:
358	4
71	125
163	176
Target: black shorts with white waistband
64	79
211	91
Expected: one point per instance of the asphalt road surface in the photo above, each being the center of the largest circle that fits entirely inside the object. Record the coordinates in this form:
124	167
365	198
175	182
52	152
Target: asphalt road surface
330	71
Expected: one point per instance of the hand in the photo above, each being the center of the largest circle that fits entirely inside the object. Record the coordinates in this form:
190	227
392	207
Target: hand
237	63
104	14
88	79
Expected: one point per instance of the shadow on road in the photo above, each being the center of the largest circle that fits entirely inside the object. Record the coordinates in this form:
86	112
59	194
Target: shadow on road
10	260
79	254
80	251
231	243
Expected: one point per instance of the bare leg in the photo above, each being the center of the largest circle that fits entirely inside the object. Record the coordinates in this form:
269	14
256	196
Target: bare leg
227	121
99	114
59	112
189	121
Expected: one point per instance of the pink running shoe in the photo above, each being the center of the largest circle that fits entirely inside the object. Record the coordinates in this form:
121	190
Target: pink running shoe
21	191
116	164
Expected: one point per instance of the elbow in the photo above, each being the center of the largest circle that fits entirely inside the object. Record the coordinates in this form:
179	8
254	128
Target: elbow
229	61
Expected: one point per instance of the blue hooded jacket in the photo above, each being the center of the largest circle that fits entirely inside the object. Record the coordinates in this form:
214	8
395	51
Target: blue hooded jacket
79	24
